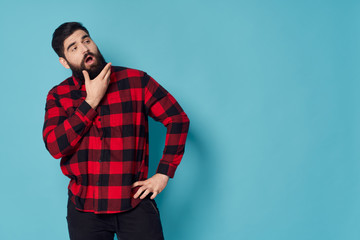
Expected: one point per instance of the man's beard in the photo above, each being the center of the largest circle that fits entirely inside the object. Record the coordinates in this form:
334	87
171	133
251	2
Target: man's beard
93	71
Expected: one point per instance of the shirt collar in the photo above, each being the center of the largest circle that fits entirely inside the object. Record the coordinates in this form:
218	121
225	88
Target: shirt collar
77	82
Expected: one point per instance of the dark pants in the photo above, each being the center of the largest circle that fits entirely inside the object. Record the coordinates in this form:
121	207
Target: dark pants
142	222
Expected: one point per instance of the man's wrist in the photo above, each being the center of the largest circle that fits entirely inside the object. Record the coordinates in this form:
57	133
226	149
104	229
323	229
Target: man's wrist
92	103
163	175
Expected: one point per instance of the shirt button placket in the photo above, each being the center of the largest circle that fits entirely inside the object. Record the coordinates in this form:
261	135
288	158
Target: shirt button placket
98	185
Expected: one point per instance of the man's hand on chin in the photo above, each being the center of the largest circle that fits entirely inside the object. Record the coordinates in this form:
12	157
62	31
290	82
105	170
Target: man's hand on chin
154	185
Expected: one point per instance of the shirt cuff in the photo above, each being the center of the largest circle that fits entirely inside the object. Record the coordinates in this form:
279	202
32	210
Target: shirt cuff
87	111
166	169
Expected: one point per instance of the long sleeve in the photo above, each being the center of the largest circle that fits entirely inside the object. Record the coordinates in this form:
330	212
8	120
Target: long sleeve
162	107
62	133
104	151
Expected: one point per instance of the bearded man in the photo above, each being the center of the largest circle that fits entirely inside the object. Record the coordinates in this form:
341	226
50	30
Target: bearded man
96	121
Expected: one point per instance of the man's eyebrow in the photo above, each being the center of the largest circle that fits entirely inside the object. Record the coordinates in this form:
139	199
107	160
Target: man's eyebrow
82	38
67	49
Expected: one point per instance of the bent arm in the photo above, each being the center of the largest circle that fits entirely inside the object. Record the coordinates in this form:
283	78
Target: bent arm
163	107
62	133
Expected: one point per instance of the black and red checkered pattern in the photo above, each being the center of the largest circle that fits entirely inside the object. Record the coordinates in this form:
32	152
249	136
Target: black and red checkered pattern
105	150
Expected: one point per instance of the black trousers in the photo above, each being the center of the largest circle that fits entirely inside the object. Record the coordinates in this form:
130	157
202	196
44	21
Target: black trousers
142	222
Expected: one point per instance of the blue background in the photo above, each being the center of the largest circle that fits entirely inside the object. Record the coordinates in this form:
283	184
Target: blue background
271	89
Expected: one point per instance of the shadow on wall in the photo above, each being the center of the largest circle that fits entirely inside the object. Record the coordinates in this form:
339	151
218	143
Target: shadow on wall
188	195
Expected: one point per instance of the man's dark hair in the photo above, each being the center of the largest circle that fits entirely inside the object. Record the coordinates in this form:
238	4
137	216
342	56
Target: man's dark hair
63	32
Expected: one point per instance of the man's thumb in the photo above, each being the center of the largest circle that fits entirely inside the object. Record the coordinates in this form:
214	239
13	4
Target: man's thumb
86	75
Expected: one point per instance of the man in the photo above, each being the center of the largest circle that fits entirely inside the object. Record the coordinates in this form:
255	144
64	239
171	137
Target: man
97	122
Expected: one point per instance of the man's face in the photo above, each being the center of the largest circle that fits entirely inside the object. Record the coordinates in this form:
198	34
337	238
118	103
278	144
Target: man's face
81	53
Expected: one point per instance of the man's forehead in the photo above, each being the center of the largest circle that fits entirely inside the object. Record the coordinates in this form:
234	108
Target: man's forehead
74	37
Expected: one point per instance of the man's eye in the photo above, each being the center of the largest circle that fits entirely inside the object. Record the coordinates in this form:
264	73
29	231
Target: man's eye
87	41
73	49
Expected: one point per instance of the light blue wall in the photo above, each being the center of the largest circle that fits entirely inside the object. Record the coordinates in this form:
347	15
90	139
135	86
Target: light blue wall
271	89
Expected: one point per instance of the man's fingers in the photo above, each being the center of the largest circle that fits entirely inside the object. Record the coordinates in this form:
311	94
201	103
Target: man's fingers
105	70
144	194
86	75
138	183
136	194
153	195
139	191
107	76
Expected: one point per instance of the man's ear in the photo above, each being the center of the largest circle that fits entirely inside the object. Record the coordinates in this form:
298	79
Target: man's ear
64	62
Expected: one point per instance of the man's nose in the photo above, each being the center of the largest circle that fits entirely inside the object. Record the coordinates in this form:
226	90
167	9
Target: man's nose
84	48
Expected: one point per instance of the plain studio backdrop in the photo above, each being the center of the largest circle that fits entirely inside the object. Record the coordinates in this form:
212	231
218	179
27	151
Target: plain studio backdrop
271	89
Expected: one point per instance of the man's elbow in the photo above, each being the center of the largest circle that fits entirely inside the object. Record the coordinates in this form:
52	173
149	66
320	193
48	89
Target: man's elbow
53	152
52	148
186	119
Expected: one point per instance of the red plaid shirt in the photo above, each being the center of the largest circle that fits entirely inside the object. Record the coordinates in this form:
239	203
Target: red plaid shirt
104	151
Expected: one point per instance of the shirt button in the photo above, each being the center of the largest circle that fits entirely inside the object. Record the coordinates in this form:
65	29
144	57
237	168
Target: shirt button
98	183
99	119
99	160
